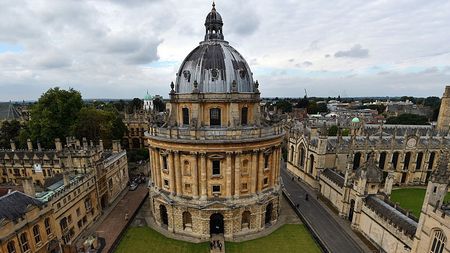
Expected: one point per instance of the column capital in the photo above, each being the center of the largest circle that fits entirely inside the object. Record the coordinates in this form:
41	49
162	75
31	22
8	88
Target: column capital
202	154
193	152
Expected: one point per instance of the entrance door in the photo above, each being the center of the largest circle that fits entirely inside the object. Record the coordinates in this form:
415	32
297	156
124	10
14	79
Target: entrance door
163	215
268	218
216	225
352	207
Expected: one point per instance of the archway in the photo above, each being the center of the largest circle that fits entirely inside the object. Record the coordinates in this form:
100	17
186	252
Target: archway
163	215
245	219
352	207
187	220
216	224
268	218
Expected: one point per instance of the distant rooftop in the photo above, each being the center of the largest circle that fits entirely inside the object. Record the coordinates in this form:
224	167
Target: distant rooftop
16	204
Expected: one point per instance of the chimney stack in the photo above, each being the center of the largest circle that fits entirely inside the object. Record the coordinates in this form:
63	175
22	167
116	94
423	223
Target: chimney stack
28	187
85	143
100	144
116	148
58	144
66	178
13	145
29	145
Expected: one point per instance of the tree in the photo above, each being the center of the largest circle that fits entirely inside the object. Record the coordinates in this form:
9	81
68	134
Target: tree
333	130
159	105
284	105
408	119
95	124
53	115
9	130
135	105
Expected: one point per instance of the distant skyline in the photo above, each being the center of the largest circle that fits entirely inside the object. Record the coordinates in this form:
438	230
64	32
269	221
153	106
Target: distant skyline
122	48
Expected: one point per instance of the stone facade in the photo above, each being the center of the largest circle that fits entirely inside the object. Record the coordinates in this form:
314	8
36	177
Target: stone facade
137	124
443	122
89	180
215	161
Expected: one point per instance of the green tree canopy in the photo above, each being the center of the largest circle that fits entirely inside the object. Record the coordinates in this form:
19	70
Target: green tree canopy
53	115
95	124
9	130
333	130
408	119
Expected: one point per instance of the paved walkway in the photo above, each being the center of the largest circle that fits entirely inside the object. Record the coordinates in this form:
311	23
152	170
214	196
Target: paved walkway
336	236
216	240
116	222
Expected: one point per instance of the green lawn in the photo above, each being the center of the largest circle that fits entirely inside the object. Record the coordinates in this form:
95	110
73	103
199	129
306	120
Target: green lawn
289	238
147	240
411	199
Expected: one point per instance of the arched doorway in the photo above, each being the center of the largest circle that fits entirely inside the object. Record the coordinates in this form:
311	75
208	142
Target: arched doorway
187	220
352	207
216	224
163	215
268	218
245	219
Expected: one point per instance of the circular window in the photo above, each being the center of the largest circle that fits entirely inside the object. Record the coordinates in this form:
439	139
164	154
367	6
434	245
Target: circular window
215	74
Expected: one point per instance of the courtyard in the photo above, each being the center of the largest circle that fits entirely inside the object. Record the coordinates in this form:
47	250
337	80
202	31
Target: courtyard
288	238
411	198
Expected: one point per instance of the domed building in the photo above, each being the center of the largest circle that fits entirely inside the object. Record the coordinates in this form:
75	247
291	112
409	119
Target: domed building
215	160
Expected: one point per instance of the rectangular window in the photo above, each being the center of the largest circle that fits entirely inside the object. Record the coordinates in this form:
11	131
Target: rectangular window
244	187
78	212
187	188
215	117
24	242
216	167
48	229
165	163
216	189
266	161
185	116
244	115
166	183
266	181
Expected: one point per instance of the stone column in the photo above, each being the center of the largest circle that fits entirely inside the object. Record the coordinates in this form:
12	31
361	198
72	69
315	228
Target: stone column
273	168
195	176
254	171
158	168
203	186
152	165
228	190
172	186
260	171
179	189
237	175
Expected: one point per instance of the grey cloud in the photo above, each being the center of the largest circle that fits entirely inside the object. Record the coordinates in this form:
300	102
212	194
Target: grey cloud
327	56
307	63
355	52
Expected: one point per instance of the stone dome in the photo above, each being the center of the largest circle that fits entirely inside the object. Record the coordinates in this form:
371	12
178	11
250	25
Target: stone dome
214	66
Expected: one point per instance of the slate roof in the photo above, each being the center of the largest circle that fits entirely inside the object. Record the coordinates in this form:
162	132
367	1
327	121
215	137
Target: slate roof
15	205
394	216
334	177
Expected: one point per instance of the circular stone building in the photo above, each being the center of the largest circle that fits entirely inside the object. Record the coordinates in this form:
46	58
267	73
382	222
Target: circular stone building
215	161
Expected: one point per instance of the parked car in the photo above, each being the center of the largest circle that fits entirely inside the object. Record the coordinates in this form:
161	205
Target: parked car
133	186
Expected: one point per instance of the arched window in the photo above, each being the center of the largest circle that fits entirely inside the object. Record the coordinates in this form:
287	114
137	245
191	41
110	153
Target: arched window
244	116
186	168
431	161
419	161
382	161
24	242
37	234
356	160
395	160
302	156
48	229
311	164
11	247
187	220
291	158
406	161
185	116
439	241
215	117
245	220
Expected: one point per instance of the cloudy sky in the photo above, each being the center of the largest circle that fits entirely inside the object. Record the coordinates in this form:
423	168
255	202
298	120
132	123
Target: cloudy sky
121	48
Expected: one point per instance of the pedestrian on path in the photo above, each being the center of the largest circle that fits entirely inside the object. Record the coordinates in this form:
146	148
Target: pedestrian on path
220	246
306	197
126	215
